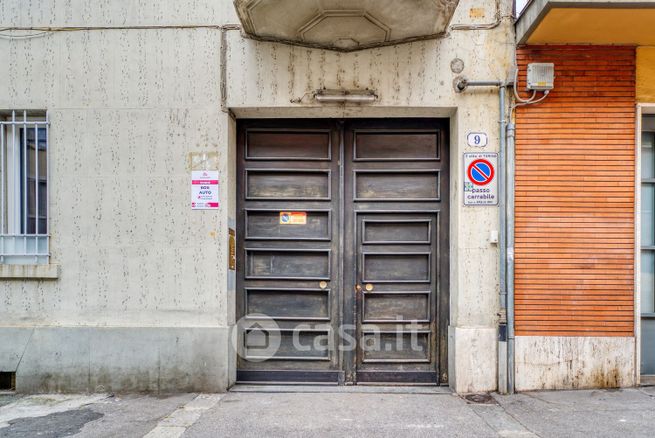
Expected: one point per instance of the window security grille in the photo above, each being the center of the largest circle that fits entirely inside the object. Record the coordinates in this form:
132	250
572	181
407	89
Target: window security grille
24	188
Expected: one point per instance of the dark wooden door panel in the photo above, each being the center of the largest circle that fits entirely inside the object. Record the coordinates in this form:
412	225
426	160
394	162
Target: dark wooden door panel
397	220
373	195
396	306
287	270
400	145
396	185
264	224
287	184
303	304
288	144
397	282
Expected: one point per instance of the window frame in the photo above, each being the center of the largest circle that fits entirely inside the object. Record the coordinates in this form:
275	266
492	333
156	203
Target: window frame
18	245
647	182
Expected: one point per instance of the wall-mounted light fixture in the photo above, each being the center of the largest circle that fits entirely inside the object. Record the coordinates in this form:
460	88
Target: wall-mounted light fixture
345	96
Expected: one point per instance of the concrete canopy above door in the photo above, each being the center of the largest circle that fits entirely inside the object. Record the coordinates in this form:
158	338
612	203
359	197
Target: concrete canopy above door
587	22
345	25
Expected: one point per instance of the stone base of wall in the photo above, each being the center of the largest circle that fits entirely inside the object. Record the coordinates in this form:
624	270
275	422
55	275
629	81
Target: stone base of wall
117	359
557	362
472	359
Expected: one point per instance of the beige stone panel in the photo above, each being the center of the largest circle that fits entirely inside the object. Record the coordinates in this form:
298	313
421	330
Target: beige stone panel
556	362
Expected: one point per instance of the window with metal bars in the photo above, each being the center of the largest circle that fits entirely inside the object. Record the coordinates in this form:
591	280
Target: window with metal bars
24	187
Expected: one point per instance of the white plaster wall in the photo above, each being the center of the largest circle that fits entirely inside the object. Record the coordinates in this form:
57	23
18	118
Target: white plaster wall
557	362
127	106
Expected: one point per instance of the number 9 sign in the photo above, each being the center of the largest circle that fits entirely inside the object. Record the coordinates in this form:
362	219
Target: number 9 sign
477	139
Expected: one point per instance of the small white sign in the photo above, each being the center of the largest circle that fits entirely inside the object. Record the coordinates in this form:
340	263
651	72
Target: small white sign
204	189
480	182
477	139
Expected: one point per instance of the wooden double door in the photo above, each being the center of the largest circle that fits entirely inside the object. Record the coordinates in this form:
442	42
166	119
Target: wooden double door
342	250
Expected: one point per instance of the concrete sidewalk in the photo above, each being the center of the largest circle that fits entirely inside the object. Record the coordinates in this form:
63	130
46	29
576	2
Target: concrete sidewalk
321	412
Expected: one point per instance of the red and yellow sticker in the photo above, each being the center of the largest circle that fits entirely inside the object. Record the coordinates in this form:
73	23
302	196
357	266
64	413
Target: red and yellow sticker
293	218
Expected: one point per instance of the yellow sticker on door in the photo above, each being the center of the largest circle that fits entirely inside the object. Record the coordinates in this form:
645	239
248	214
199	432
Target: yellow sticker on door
293	218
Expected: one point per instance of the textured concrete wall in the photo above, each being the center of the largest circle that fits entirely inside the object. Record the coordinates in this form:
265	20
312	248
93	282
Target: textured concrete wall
126	109
115	12
128	106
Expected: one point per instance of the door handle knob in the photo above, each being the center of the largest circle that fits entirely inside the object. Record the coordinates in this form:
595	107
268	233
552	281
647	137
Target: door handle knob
367	288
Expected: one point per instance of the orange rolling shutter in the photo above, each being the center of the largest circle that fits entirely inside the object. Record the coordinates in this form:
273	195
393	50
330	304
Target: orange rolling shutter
575	212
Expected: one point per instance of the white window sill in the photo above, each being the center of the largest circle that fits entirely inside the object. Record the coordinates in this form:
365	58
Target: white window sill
29	272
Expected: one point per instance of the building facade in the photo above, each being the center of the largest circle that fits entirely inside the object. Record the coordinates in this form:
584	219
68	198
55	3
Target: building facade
584	282
196	193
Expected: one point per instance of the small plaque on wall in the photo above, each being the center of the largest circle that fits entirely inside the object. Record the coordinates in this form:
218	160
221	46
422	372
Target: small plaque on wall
204	189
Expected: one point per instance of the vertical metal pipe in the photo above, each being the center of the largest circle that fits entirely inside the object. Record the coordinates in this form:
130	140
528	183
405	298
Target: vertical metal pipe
502	244
510	256
36	181
502	205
